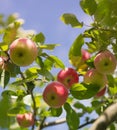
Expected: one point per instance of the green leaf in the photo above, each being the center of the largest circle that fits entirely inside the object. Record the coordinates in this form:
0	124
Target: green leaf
78	87
84	108
71	19
5	120
5	77
106	13
75	49
89	6
90	91
39	38
56	112
57	62
48	46
8	93
13	111
46	74
71	117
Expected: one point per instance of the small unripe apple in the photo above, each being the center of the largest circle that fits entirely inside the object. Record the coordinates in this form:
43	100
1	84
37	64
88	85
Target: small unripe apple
105	62
101	92
92	76
55	94
68	77
25	120
23	51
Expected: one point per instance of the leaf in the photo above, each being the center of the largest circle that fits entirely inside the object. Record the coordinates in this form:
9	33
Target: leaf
89	6
84	108
8	93
48	46
5	77
57	62
75	49
56	112
90	91
71	117
39	38
71	19
46	74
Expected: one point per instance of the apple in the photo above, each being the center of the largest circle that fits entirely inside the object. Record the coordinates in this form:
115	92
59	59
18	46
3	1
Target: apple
55	94
25	120
80	61
105	62
101	92
92	76
23	51
68	77
85	54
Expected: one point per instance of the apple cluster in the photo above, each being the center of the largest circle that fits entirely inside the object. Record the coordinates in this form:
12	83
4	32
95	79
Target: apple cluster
56	93
104	64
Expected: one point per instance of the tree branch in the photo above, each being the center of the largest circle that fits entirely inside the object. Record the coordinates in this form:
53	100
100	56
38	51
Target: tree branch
109	115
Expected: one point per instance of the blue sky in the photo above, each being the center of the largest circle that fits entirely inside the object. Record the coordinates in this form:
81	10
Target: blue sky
44	16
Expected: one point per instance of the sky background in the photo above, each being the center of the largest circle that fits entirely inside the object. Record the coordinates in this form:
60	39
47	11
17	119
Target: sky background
44	16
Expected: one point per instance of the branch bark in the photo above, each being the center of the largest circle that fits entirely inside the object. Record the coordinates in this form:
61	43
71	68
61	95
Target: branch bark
109	116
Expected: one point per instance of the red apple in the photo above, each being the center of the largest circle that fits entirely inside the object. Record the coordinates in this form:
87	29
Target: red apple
105	62
25	120
68	77
55	94
92	76
23	51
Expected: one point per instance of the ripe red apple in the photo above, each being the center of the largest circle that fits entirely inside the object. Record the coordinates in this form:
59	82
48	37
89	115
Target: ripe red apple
105	62
25	120
23	51
68	77
101	92
55	94
92	76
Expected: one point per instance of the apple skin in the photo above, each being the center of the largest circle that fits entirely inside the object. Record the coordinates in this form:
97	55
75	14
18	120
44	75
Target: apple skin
105	62
25	120
68	77
94	77
23	51
55	94
101	92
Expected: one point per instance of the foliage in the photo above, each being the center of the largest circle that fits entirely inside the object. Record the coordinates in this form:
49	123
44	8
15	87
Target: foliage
23	87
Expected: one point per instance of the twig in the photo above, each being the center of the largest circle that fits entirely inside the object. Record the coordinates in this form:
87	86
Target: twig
63	120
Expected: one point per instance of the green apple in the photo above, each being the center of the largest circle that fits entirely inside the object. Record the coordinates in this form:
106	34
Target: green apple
55	94
105	62
25	120
23	51
92	76
68	77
